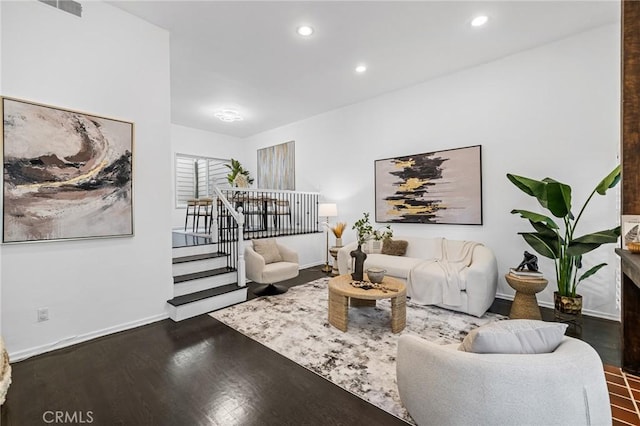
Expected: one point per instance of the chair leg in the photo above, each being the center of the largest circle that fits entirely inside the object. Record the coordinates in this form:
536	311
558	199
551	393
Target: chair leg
270	290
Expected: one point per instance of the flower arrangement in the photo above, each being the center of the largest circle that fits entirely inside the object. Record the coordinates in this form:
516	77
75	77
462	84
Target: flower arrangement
238	176
338	229
241	181
365	231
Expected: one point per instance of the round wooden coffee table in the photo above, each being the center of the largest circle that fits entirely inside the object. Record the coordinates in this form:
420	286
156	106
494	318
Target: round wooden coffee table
341	291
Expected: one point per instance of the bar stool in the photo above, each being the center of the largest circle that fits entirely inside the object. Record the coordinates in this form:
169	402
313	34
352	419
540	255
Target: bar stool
192	206
204	209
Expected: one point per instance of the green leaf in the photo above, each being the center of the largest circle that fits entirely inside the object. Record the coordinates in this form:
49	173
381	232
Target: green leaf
601	237
546	231
540	244
610	181
590	242
532	187
536	217
591	271
558	198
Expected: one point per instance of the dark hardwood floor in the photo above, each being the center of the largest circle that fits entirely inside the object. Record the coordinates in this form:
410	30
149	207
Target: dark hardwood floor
199	372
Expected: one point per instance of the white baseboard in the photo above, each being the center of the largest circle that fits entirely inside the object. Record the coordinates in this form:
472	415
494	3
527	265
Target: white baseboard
588	312
73	340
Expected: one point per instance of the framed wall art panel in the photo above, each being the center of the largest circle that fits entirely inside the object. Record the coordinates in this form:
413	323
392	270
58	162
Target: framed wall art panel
67	174
442	187
277	166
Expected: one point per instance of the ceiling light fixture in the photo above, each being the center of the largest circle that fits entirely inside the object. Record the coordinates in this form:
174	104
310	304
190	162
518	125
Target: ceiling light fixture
228	115
361	68
305	30
479	21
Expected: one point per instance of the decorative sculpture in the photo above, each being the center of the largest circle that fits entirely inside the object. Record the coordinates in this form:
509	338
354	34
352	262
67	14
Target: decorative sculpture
530	261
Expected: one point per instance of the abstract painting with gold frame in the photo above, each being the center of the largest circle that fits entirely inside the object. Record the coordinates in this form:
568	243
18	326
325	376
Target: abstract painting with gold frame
442	187
67	174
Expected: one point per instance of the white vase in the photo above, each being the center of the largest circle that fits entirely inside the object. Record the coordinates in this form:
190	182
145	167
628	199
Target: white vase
338	242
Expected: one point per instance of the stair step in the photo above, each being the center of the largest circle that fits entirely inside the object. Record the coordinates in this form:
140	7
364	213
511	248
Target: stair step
181	312
204	294
194	286
194	250
203	274
196	257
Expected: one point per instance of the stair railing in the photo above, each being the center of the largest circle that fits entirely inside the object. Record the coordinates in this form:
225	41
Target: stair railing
230	234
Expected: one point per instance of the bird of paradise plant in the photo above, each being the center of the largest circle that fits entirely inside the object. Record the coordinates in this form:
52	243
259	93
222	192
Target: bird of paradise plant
561	244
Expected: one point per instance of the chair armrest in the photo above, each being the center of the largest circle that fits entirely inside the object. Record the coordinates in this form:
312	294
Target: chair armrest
254	264
482	280
344	257
287	254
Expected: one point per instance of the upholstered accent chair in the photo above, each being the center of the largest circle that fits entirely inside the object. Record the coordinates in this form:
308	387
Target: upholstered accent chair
441	385
268	262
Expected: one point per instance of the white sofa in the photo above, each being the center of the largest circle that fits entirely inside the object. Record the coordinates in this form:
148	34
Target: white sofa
441	385
476	283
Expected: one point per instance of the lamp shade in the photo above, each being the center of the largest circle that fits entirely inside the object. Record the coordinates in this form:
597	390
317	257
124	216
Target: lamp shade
327	210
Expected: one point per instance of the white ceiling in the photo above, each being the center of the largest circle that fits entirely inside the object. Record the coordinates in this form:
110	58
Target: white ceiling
247	55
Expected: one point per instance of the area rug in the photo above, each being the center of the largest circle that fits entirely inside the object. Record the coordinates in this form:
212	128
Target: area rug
362	360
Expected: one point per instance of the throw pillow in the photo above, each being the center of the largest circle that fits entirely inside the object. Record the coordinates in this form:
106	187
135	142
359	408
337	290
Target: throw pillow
395	247
372	247
268	249
515	337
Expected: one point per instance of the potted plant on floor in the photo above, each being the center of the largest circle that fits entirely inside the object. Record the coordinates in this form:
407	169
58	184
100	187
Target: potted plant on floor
560	243
365	232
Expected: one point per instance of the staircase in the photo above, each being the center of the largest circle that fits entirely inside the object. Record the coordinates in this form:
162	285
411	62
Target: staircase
203	281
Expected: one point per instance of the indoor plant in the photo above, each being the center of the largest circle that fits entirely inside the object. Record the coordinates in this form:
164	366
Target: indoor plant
338	230
364	233
238	176
560	243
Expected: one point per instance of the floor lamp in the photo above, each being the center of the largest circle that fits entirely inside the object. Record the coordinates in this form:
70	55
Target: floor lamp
327	210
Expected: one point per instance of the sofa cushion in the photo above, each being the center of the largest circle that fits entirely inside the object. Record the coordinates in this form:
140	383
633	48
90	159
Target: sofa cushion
423	248
372	247
279	271
396	266
394	247
268	249
515	337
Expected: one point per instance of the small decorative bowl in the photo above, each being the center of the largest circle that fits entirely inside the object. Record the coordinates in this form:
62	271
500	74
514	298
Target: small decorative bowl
634	246
376	275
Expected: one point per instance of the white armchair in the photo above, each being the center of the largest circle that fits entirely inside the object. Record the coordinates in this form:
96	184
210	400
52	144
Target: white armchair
268	262
440	385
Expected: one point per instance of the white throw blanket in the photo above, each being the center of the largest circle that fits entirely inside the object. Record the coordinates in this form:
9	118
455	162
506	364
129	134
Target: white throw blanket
440	281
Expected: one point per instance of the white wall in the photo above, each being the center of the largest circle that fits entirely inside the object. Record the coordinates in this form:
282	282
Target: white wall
551	111
112	64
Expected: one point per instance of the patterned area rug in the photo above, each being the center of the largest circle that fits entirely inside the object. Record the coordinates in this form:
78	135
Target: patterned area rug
362	360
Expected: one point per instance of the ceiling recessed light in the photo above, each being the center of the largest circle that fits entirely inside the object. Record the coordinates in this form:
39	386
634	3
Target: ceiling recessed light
361	68
305	30
228	115
479	21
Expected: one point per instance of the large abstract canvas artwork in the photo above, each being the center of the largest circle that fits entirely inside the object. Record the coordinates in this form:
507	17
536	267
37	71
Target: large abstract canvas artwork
436	187
67	174
277	166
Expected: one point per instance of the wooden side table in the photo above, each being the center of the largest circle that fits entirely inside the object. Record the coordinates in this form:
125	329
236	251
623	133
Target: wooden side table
525	304
333	251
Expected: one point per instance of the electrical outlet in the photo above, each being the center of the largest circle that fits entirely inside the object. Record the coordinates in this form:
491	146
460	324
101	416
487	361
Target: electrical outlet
43	314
